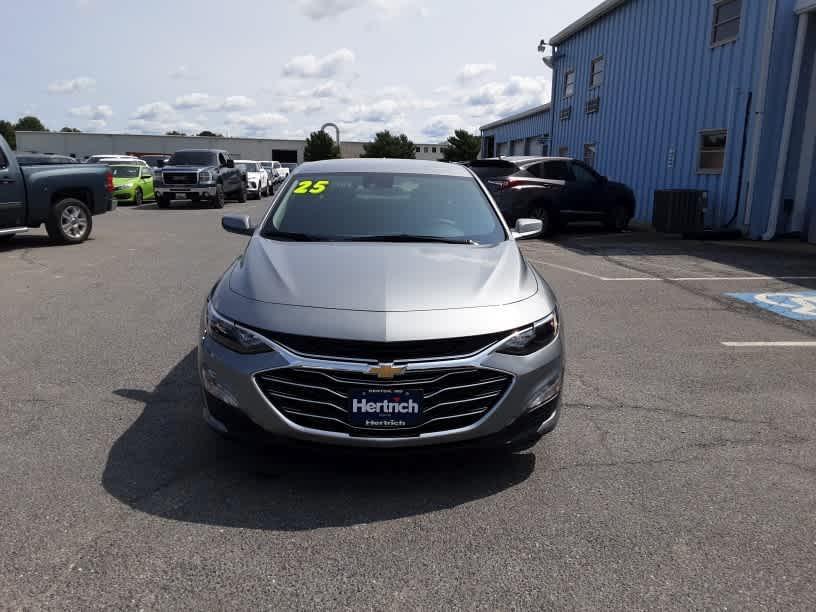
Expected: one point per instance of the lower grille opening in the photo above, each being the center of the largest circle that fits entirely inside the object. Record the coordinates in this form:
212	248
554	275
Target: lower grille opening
321	399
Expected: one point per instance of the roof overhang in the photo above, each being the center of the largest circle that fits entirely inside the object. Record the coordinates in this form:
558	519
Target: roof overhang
591	17
805	6
528	113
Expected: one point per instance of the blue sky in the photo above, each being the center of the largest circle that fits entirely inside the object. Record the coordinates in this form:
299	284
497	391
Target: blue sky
276	69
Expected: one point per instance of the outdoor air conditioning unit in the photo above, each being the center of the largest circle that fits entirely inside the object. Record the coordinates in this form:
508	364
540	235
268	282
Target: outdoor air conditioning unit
679	211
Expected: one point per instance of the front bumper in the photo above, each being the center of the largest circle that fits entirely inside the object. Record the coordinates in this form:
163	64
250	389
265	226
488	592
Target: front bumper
207	191
511	421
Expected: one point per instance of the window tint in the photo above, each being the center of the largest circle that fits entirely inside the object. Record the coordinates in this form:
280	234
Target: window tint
583	174
486	171
726	24
344	206
596	72
554	170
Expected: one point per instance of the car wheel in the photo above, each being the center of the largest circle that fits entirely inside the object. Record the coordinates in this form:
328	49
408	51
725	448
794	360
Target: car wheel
69	222
617	218
163	202
218	200
138	198
543	215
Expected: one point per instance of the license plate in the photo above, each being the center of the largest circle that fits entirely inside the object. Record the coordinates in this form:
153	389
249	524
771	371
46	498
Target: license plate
385	408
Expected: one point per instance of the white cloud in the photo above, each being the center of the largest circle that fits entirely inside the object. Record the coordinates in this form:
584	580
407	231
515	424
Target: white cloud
181	73
94	125
302	106
257	124
326	9
471	72
383	111
71	86
94	113
310	66
497	99
388	9
442	126
235	103
192	100
155	111
328	90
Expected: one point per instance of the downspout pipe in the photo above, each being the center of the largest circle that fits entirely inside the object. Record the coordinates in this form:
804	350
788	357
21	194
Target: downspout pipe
787	128
762	94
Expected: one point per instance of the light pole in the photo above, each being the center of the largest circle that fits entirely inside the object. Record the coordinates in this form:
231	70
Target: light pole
337	132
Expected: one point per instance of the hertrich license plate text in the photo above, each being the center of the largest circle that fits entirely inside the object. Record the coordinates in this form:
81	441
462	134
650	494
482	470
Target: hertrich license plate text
385	408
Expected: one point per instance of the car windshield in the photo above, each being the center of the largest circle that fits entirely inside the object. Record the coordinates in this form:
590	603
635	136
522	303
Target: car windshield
193	158
385	207
125	171
248	166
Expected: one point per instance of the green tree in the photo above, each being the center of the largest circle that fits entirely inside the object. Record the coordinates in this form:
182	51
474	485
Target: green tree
462	146
319	145
174	133
7	132
70	129
209	133
385	144
29	123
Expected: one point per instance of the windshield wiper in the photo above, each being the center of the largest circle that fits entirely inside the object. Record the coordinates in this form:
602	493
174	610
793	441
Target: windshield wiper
409	238
294	236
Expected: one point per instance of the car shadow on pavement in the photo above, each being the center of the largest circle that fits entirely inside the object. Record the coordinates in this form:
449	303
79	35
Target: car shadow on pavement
169	464
22	242
186	205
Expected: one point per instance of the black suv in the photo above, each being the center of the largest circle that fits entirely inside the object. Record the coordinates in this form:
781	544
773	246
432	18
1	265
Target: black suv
199	174
556	190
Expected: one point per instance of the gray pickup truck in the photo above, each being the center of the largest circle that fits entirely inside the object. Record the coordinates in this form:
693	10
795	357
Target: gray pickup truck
63	197
200	174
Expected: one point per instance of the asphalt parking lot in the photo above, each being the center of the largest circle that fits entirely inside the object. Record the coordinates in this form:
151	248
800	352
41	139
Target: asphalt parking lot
682	474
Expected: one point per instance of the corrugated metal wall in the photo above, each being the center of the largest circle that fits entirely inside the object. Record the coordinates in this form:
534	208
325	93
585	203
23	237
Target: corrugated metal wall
663	82
537	125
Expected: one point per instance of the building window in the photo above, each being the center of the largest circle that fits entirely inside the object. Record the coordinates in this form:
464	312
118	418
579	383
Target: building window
433	149
596	72
726	25
569	83
426	149
418	149
711	159
563	151
589	154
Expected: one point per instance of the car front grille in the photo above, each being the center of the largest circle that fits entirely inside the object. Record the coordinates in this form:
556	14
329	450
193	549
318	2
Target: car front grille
180	178
320	399
361	350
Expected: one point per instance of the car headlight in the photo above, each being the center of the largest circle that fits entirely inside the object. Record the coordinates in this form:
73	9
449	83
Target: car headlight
205	176
231	335
533	337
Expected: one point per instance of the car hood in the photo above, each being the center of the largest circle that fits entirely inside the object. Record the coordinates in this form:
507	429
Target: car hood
382	277
121	180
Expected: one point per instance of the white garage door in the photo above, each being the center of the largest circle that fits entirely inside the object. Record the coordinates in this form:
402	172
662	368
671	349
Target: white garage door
517	147
501	149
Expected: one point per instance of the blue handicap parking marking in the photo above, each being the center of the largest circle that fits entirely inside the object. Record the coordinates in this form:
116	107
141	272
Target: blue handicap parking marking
800	305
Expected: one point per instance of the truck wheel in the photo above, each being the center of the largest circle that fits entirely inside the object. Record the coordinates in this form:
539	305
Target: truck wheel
242	194
617	218
218	200
163	202
138	198
69	222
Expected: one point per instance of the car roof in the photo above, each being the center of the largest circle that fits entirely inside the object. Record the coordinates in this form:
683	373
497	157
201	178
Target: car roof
401	166
246	161
524	159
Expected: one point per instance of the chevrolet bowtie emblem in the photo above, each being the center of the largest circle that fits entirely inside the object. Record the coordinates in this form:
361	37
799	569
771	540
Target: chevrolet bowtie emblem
387	370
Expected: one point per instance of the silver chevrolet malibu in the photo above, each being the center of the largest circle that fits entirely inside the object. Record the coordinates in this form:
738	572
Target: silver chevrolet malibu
382	303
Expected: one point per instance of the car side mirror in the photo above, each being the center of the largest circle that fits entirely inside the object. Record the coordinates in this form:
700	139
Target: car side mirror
527	228
230	163
237	224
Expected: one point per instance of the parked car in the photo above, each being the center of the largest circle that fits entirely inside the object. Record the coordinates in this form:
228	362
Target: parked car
258	185
95	159
44	159
275	170
555	190
132	183
63	197
200	174
382	303
286	168
153	160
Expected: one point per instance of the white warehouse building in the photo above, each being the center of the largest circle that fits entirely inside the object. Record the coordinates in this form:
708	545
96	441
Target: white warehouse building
81	145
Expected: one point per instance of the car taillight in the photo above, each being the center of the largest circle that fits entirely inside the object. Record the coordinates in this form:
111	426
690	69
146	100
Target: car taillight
109	182
509	183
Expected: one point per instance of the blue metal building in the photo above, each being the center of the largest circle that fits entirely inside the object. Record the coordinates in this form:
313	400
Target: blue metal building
718	95
525	133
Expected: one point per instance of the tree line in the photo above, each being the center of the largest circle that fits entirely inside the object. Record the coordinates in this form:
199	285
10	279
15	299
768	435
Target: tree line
462	146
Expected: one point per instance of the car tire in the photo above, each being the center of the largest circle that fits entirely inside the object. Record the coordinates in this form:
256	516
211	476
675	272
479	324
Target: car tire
543	214
69	222
218	198
617	219
163	202
138	198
